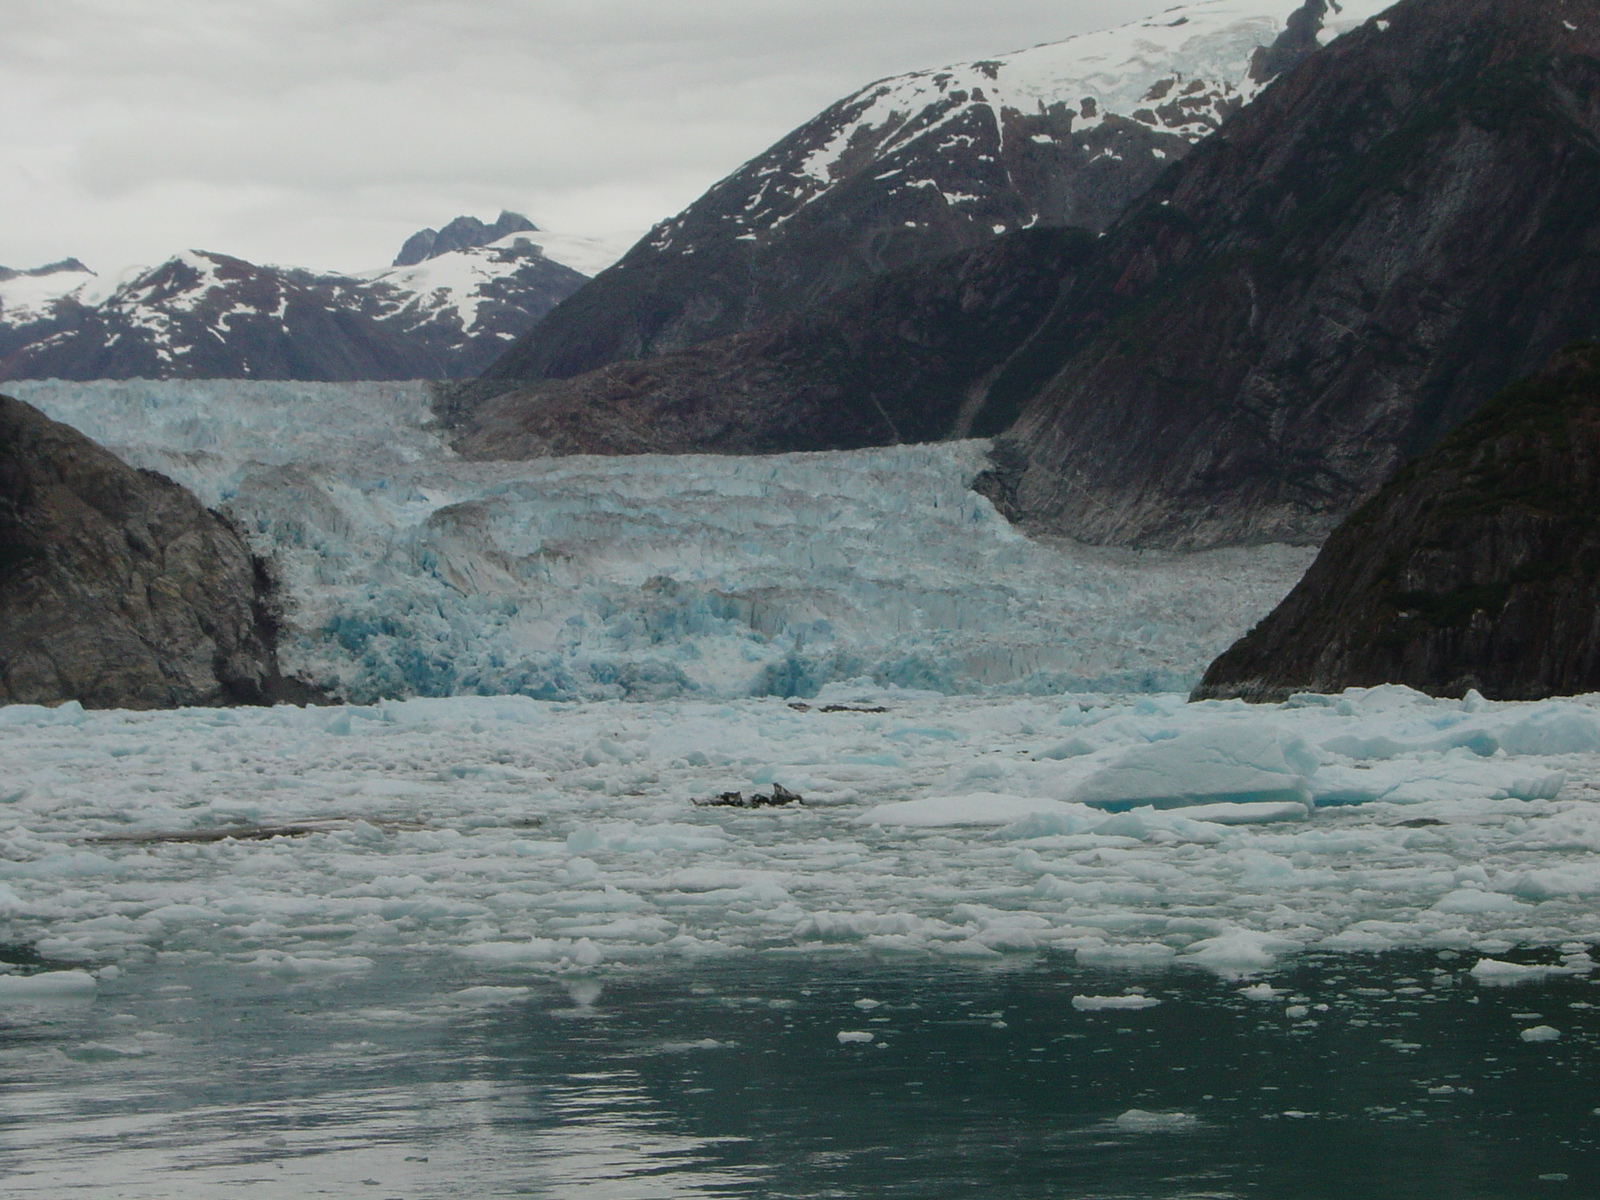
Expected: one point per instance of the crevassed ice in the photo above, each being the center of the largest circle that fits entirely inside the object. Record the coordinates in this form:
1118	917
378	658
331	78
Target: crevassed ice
410	572
531	836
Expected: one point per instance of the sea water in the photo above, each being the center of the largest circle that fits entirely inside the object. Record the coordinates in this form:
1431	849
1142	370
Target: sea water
808	1078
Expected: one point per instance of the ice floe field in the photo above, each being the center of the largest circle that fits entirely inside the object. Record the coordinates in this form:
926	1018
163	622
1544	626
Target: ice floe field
530	836
447	940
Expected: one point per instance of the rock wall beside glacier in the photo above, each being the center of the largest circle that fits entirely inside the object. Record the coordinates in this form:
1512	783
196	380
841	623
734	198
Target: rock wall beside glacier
1478	567
117	588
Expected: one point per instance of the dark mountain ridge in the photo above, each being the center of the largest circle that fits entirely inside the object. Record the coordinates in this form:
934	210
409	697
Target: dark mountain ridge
204	315
923	165
1392	231
463	233
1478	566
1395	230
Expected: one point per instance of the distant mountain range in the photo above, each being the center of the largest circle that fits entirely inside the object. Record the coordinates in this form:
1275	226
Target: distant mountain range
455	298
922	165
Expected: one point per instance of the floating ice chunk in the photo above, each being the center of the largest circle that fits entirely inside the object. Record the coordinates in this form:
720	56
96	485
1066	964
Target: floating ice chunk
1133	954
1471	901
534	950
1110	1003
706	1043
1260	991
978	808
1258	813
1235	762
1540	1033
1137	1120
1492	972
1559	729
308	966
70	713
868	1005
1577	879
848	1037
488	995
1239	953
49	985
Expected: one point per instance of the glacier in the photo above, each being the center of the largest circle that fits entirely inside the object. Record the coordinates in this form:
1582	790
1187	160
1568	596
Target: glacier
409	572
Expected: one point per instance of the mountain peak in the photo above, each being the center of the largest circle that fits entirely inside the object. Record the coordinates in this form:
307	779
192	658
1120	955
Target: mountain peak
461	234
63	266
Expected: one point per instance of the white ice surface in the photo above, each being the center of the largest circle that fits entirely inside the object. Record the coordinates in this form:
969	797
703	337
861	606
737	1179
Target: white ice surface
532	836
413	573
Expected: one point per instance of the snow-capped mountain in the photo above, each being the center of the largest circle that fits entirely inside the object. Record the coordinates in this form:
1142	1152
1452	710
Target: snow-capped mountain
932	162
202	314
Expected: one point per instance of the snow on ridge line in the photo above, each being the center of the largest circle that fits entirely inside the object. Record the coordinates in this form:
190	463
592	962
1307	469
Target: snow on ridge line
411	572
1181	71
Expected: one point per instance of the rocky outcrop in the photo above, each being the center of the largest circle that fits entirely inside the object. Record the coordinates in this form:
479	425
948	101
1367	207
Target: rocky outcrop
927	164
1477	567
892	361
117	588
464	233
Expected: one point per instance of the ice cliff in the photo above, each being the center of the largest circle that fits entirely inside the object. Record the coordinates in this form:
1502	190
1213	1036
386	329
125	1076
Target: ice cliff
408	571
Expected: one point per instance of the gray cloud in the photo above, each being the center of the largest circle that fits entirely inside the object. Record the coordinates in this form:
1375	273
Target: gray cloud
324	131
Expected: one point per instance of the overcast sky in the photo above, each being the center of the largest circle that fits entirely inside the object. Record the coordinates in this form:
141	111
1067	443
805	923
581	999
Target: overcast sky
322	132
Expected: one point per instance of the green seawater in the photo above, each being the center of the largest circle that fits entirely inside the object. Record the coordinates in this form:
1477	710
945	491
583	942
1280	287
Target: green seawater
729	1079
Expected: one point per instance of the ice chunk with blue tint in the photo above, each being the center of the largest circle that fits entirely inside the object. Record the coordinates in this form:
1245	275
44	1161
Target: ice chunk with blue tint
1233	762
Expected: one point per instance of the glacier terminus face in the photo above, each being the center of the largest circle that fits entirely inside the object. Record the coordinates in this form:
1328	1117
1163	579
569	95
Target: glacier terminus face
408	572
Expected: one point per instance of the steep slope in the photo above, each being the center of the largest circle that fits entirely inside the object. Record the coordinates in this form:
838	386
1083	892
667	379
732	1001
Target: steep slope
1394	231
117	589
926	164
1477	567
888	362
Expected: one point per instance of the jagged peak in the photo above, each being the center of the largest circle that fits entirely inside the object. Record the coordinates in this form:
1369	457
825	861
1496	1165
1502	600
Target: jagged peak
463	233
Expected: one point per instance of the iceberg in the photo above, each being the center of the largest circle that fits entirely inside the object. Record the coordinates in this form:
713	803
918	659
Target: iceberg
1242	762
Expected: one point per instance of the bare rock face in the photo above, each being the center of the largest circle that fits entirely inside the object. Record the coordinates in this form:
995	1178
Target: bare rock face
1398	227
889	362
1477	567
922	165
1391	233
117	588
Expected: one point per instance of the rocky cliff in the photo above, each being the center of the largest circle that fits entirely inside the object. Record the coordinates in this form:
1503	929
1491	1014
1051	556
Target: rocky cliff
117	588
1477	567
891	361
1395	229
927	164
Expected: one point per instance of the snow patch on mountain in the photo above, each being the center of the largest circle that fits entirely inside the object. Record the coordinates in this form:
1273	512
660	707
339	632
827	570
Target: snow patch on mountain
30	296
1180	72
